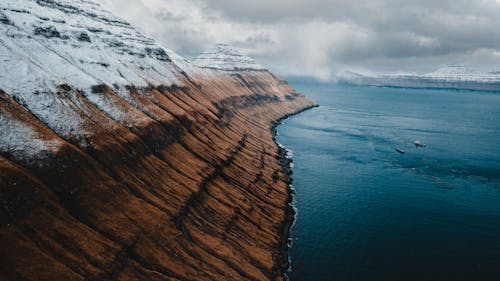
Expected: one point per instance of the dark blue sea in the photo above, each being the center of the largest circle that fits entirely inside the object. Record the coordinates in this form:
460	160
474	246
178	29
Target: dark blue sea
369	213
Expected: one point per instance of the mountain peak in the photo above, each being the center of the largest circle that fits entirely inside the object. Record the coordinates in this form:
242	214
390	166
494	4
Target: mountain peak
84	43
224	57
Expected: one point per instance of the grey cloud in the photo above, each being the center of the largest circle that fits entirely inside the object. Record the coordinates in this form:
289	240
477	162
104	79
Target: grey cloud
167	16
321	37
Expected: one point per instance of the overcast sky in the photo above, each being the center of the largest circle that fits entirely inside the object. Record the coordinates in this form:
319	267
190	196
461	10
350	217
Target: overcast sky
322	37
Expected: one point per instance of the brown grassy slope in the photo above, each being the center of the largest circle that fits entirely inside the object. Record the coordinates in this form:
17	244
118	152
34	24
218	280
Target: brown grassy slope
188	193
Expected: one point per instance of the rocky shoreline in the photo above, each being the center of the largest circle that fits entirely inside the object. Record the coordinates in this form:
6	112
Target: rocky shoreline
290	212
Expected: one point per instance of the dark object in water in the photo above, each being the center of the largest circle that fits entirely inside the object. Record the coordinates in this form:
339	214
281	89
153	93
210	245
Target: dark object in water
419	144
400	151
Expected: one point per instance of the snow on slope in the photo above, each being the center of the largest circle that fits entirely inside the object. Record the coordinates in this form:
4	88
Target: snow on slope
22	141
48	43
84	45
223	57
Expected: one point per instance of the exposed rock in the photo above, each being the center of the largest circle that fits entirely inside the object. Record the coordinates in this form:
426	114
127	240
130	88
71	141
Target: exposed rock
158	53
47	32
4	19
95	30
99	89
84	37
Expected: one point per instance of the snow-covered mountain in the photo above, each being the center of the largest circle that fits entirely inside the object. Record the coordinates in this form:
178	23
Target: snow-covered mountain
224	57
122	160
46	43
85	44
452	77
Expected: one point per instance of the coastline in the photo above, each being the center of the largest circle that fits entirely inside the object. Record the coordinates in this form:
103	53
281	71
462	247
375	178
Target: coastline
160	169
290	211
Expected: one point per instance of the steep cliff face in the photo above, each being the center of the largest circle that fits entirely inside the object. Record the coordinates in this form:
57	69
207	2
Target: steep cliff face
120	160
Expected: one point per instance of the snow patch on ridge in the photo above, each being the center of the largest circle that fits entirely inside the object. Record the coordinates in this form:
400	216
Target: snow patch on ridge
23	142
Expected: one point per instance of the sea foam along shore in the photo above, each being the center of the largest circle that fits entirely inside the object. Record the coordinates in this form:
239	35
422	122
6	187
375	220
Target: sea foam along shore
285	159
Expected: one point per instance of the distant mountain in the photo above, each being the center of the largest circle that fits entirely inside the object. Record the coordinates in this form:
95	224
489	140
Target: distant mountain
453	77
224	57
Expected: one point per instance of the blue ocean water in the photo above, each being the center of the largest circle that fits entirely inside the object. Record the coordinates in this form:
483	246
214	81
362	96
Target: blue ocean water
369	213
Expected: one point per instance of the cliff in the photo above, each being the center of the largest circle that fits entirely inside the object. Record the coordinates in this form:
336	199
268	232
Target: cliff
120	160
453	77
